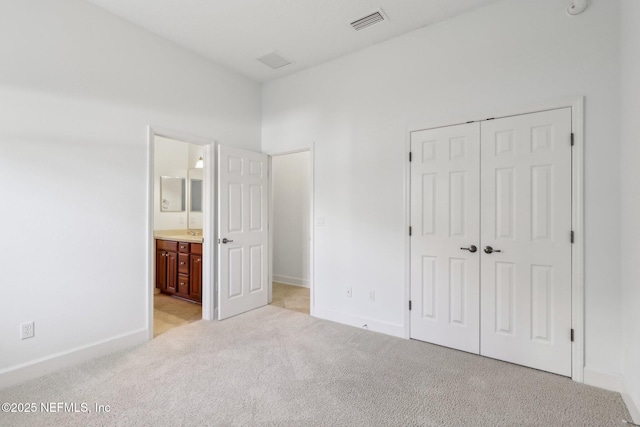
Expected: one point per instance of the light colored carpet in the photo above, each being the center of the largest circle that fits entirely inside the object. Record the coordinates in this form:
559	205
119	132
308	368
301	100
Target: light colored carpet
291	297
274	366
170	312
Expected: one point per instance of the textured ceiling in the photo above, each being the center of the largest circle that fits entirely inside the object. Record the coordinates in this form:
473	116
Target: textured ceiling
234	33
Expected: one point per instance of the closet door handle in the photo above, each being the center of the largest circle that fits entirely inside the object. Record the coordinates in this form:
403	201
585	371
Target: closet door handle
225	240
471	248
489	250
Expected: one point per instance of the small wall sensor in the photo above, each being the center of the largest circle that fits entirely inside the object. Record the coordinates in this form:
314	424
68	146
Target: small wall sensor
577	7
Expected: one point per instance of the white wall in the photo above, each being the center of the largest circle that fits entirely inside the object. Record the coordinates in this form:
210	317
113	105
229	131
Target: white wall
78	88
291	210
630	177
171	158
360	108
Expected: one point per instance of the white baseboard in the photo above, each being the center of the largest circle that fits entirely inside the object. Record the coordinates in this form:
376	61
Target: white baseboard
633	407
613	382
604	380
45	365
287	280
359	322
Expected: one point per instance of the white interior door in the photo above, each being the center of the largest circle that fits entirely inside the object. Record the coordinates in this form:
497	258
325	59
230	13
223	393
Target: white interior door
445	192
242	231
526	220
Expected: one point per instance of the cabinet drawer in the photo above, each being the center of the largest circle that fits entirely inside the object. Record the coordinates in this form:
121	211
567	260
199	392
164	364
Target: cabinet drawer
183	284
196	248
183	247
183	263
167	245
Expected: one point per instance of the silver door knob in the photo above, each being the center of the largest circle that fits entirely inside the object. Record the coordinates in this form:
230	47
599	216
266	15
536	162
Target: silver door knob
489	250
471	248
225	240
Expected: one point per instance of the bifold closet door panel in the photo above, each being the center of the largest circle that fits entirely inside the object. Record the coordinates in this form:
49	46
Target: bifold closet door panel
445	203
526	226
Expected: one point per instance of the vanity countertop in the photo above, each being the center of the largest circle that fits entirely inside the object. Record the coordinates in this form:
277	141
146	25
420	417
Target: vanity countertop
178	235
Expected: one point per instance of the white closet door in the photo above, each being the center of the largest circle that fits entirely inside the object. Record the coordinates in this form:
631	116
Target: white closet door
526	220
242	231
445	172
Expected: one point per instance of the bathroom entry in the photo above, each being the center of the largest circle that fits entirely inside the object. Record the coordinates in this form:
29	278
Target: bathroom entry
178	213
291	218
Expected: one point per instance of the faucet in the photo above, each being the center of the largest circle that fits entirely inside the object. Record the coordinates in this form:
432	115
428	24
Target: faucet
193	233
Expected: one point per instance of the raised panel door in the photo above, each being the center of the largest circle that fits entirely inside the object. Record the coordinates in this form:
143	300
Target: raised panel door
195	277
161	269
445	176
172	272
243	231
526	221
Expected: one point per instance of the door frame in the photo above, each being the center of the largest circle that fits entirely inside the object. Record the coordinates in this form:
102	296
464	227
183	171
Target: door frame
577	211
270	155
208	226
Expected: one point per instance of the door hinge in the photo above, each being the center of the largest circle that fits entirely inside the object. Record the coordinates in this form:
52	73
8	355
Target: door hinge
571	334
572	139
410	229
409	305
410	156
573	236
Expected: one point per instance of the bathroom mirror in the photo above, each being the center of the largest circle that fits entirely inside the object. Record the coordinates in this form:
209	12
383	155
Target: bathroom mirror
196	180
172	191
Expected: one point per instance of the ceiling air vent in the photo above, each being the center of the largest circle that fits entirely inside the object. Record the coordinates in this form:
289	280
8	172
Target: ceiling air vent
367	21
274	60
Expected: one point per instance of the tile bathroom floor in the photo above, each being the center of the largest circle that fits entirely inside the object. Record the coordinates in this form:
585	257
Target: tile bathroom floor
170	312
291	297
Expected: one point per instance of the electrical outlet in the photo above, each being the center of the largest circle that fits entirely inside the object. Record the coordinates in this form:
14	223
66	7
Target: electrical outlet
349	292
26	330
372	295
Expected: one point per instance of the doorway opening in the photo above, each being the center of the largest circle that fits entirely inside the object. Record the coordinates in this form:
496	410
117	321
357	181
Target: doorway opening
291	201
180	225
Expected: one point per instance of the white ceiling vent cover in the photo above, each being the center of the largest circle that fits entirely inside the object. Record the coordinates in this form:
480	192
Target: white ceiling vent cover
369	20
274	60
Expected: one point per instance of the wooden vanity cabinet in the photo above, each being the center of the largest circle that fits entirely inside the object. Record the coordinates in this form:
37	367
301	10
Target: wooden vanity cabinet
183	275
179	269
195	277
166	266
